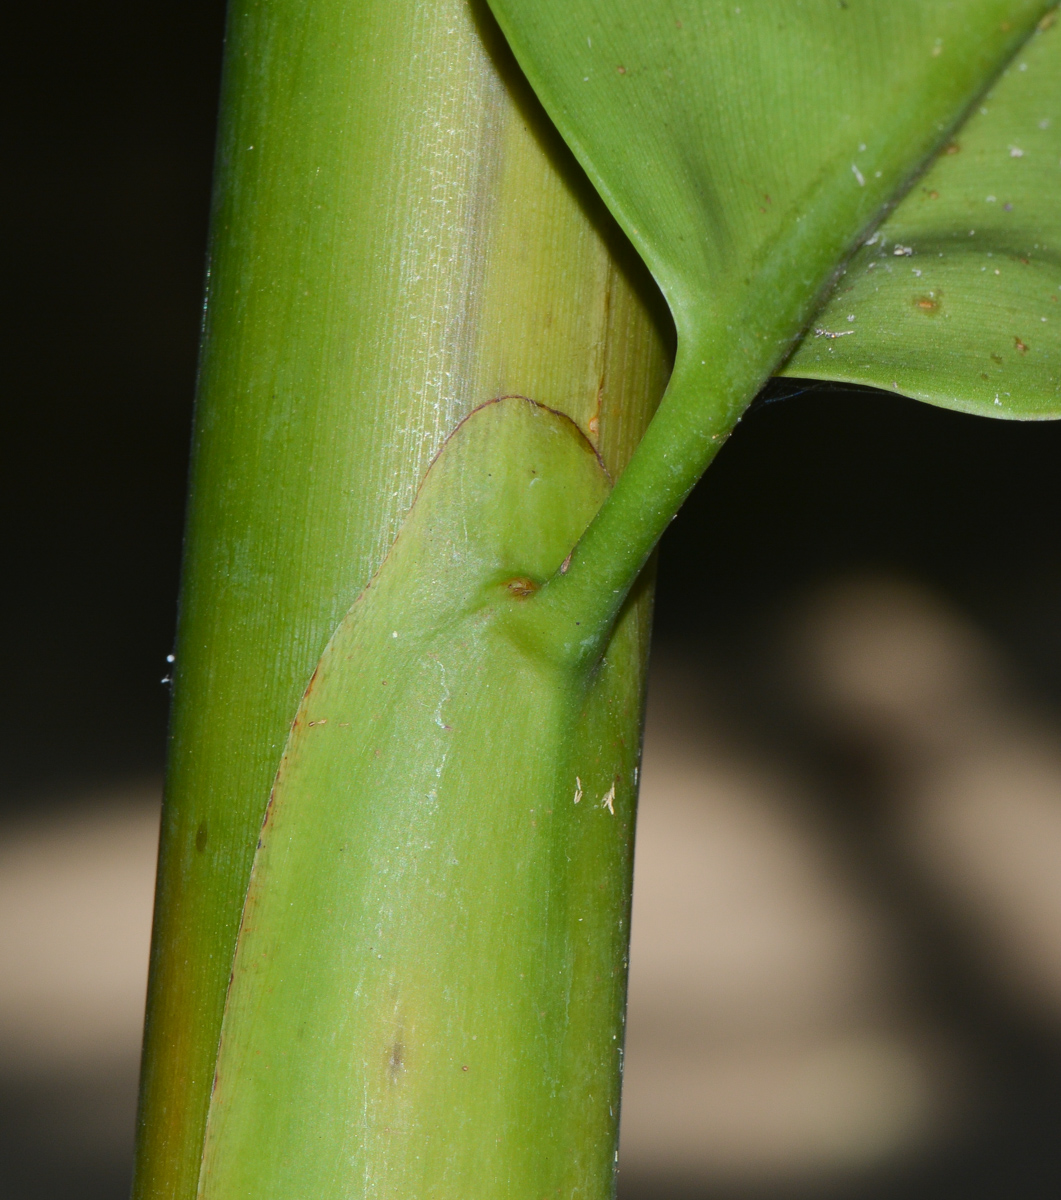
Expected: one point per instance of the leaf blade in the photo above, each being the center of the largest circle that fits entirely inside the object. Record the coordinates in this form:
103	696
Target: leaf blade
746	150
742	148
955	299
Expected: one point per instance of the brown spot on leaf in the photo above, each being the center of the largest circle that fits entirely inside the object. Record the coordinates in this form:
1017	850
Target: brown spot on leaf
1019	346
952	148
521	587
621	70
997	358
929	304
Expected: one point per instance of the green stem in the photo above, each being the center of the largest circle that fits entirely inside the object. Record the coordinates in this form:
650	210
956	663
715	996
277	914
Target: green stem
398	236
571	617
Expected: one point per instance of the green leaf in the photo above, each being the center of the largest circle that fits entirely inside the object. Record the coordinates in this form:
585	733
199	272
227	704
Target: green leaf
956	299
428	985
746	148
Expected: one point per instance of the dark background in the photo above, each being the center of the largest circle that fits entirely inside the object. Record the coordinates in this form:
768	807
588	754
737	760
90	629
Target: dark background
109	123
108	135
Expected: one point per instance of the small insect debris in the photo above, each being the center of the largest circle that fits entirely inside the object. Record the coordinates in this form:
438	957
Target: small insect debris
608	800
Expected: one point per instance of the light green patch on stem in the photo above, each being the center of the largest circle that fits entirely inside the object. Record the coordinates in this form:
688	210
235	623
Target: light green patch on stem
428	988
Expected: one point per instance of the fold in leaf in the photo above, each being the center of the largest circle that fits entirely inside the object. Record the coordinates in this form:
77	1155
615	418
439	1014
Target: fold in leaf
956	299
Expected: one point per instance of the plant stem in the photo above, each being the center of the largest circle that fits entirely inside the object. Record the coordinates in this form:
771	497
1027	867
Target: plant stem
397	237
572	615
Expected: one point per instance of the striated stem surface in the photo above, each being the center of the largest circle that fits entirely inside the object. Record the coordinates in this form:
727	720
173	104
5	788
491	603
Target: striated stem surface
398	236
